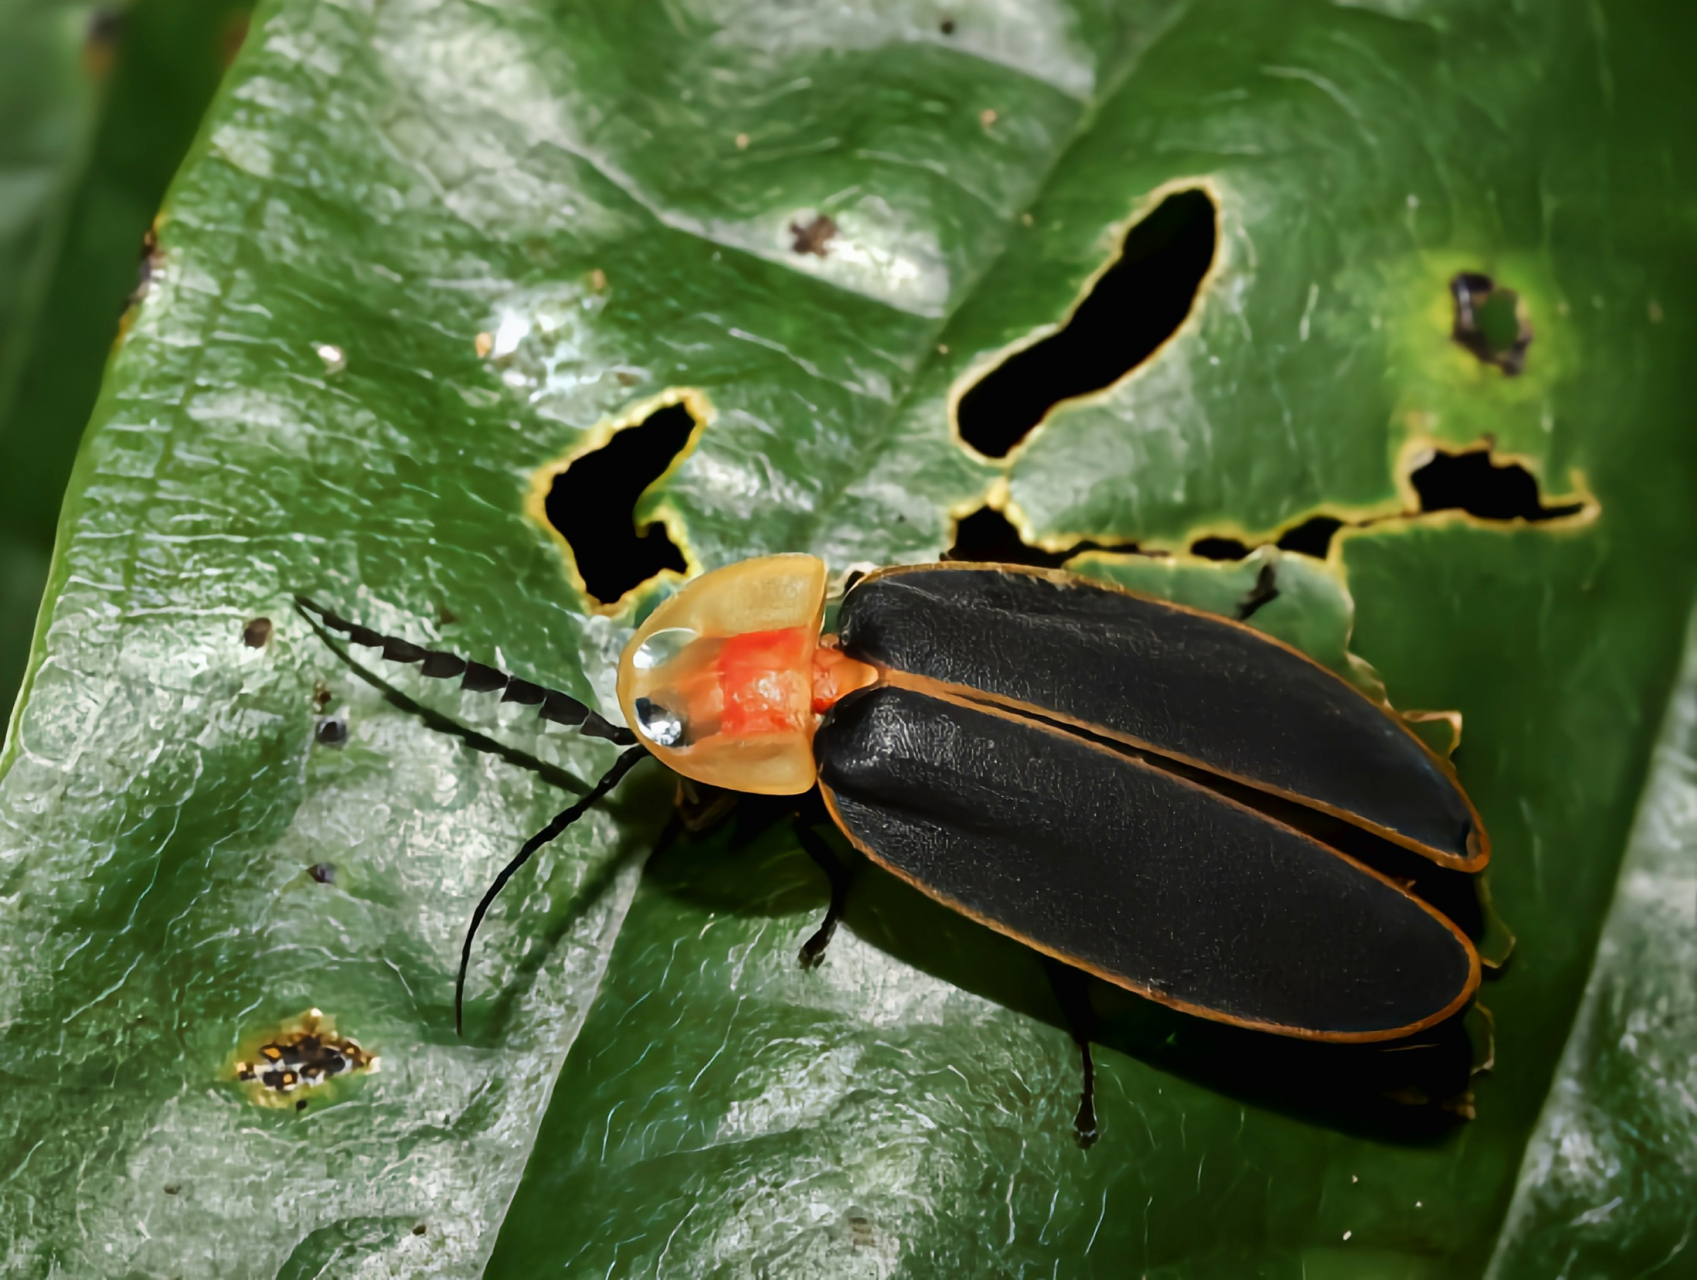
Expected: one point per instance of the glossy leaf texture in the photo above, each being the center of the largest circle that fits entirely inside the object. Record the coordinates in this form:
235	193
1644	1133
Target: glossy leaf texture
606	194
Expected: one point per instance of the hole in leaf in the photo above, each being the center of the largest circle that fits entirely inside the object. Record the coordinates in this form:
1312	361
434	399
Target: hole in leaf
592	504
988	537
1491	321
1471	482
1468	481
1132	309
1313	537
1219	548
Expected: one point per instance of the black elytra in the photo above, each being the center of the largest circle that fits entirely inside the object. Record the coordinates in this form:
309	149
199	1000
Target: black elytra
1038	756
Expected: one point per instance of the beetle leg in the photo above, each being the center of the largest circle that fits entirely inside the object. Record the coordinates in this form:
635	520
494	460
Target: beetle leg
840	876
1072	990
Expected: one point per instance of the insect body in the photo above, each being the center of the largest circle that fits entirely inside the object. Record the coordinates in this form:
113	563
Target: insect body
1106	777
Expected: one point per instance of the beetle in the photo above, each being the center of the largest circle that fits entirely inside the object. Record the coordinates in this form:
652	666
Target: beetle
1116	781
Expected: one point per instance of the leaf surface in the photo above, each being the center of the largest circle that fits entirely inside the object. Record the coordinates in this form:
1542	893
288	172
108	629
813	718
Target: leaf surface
607	194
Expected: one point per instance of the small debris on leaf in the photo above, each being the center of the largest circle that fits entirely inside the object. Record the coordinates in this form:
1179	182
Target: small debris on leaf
742	142
147	266
484	344
947	26
1491	321
332	731
987	117
335	359
813	237
323	872
321	696
257	634
418	1230
598	280
305	1054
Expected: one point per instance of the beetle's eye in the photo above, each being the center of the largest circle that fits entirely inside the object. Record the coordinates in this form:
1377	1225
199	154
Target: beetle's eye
659	723
661	647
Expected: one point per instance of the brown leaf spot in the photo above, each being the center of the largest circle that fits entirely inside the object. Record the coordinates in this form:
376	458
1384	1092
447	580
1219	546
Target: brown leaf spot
303	1054
813	237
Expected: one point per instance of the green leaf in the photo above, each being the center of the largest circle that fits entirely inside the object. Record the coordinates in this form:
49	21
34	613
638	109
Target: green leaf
301	405
1605	1186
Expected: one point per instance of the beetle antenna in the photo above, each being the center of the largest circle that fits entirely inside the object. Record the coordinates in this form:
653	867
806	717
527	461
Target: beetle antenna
551	704
561	821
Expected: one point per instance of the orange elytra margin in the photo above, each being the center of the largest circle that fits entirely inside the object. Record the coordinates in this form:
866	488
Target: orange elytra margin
1478	839
1119	980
